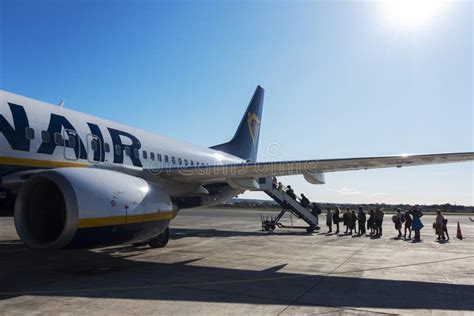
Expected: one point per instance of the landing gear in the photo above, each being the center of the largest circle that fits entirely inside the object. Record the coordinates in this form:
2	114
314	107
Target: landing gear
161	240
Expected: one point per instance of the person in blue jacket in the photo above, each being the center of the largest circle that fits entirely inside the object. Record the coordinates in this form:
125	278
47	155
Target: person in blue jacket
416	225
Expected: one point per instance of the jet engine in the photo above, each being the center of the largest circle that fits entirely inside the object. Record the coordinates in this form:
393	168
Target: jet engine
87	207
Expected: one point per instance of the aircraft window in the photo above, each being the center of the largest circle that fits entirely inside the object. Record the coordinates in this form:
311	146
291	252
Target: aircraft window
166	158
71	141
45	136
145	155
106	147
136	153
173	160
29	133
118	150
94	144
152	156
128	151
158	157
58	139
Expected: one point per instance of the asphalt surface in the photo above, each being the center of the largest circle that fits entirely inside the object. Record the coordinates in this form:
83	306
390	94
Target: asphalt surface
219	262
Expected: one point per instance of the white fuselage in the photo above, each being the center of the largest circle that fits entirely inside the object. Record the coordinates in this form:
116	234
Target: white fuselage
46	143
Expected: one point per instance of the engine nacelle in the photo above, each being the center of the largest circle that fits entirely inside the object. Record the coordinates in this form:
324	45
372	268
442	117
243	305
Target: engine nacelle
314	177
86	207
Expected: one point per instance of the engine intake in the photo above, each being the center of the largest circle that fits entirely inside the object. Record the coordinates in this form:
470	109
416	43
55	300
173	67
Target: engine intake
85	207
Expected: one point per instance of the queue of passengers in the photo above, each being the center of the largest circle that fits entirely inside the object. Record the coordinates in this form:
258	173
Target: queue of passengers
356	223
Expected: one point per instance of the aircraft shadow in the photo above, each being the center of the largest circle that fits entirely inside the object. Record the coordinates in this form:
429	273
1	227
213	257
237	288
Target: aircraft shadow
84	273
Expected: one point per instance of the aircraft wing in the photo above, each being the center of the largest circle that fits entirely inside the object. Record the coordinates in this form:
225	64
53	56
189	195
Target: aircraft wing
306	167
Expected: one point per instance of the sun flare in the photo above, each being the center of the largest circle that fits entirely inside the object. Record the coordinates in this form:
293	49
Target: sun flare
411	13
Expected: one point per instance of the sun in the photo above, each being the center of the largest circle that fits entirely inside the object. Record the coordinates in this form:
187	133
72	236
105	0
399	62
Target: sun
411	13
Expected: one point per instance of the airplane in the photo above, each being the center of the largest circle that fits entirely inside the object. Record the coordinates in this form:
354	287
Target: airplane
78	181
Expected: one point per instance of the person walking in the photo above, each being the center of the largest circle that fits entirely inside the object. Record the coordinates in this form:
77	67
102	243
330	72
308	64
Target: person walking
336	219
274	182
362	218
329	220
304	202
408	222
445	228
397	220
291	193
438	226
416	225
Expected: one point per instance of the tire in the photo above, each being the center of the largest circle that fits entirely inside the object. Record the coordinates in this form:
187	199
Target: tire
161	240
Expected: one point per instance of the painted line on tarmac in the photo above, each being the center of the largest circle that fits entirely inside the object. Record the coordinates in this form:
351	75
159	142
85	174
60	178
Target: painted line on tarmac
332	272
404	265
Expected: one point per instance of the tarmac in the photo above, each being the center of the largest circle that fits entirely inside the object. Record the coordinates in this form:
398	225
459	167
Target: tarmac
219	262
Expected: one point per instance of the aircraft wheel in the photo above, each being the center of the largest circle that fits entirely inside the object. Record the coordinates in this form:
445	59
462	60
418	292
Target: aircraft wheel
161	240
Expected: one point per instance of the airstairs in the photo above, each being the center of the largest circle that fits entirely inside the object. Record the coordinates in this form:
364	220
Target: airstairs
288	204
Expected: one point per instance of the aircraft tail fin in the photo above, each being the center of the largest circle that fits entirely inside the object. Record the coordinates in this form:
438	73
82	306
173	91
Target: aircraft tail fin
244	144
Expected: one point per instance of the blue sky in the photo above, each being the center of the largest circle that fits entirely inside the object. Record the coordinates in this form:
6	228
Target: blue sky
341	80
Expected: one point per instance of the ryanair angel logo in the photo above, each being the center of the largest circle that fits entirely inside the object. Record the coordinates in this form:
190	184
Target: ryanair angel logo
253	123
